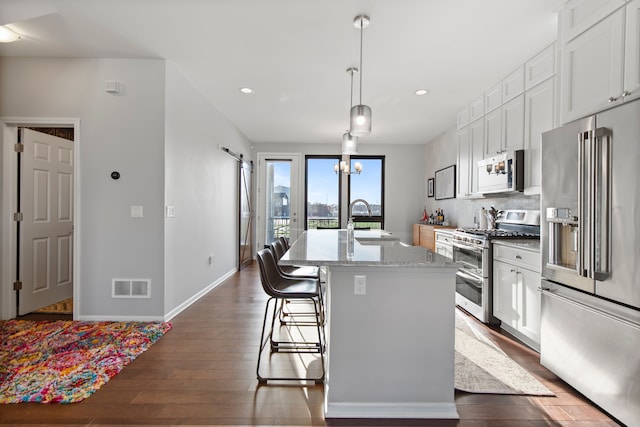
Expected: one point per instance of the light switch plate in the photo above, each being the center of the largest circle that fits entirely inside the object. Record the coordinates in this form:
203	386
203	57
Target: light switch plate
360	285
171	211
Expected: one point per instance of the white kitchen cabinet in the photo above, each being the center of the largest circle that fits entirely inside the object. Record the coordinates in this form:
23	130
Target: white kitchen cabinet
493	98
504	128
540	67
592	68
516	299
444	242
470	151
513	124
463	118
539	117
493	133
476	108
476	142
513	84
577	16
463	180
632	51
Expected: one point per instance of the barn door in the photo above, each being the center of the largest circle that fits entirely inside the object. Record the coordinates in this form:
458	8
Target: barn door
246	214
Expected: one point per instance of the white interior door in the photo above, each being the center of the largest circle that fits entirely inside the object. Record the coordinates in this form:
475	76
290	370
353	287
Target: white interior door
279	203
46	230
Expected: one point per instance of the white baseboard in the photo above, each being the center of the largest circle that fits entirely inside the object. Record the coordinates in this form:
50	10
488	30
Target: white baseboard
179	309
391	410
168	316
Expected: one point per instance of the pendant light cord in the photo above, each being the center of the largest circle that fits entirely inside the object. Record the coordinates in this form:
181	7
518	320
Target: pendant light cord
361	31
351	101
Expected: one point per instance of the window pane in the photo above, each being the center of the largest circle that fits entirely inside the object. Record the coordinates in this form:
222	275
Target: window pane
278	187
323	193
368	186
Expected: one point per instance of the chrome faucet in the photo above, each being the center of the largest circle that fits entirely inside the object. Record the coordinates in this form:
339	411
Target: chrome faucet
356	201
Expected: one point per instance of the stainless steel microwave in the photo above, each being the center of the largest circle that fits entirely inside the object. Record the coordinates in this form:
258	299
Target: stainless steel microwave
502	173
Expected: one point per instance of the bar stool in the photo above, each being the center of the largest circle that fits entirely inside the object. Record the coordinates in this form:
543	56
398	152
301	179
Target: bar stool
293	271
279	289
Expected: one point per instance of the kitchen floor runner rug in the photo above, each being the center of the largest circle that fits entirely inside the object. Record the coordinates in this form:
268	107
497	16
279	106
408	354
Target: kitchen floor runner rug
67	361
482	367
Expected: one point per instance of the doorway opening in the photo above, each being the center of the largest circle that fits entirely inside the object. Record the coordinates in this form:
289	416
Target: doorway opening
40	211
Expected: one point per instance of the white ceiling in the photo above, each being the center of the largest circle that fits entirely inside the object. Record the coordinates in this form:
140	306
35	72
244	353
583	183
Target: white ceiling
294	54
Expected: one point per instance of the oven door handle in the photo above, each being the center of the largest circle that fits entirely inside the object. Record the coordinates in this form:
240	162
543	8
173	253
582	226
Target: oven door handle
465	246
470	277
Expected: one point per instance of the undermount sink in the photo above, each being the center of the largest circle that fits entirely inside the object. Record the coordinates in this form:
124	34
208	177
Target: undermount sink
378	240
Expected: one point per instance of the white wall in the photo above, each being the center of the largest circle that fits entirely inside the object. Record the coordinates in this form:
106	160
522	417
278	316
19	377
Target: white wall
404	172
118	132
201	183
442	152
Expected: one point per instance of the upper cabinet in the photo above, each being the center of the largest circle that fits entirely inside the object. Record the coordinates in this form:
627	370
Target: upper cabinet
540	67
513	85
540	114
463	118
632	50
476	109
463	180
470	150
493	98
513	124
510	115
600	51
577	16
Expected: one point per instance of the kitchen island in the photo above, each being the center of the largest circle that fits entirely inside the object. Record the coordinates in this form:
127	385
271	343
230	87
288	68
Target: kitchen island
390	324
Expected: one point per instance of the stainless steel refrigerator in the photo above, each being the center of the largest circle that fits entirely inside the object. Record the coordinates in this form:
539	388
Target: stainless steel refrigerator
590	252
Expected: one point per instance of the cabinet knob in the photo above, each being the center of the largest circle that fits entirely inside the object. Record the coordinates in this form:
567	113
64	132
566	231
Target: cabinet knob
612	99
626	93
518	257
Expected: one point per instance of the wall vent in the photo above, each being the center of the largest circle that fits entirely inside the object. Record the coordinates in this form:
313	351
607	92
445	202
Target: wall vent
131	288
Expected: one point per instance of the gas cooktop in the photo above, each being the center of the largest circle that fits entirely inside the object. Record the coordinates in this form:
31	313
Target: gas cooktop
510	224
499	233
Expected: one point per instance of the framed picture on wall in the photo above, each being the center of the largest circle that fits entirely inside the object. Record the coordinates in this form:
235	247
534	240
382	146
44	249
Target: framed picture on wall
430	187
445	185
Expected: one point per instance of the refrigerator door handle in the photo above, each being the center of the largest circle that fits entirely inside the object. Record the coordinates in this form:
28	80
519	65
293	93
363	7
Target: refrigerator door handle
583	140
601	205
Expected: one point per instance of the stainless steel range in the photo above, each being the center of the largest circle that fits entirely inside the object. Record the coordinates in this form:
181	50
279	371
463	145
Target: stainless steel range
473	250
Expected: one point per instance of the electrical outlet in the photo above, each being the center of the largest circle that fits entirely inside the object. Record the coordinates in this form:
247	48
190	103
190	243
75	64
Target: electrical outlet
360	285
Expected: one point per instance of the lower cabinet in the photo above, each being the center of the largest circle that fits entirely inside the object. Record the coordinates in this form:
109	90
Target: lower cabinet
425	235
444	242
516	298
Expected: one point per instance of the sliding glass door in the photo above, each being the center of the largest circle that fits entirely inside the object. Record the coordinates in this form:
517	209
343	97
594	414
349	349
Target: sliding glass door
279	205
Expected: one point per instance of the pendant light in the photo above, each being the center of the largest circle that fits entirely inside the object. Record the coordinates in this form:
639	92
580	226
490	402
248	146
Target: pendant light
360	114
349	141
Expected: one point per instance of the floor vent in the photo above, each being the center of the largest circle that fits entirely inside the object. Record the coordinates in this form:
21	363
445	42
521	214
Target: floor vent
131	288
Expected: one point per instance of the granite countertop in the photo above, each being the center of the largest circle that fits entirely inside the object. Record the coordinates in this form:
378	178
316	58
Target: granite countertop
529	244
370	248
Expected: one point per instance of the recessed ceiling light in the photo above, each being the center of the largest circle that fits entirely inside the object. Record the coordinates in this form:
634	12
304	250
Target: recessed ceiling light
7	35
421	92
246	90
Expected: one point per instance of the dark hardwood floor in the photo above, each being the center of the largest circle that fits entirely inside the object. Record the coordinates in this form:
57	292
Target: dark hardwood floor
203	373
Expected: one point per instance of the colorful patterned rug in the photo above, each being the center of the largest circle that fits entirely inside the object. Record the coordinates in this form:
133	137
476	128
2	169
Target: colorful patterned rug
67	361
